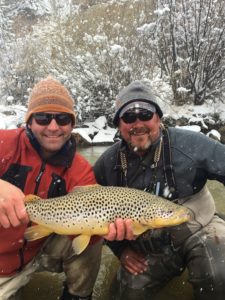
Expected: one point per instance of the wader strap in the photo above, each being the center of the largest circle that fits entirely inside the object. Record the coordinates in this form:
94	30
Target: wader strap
118	168
168	167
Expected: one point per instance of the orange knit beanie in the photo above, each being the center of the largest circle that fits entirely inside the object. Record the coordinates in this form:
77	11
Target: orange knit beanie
49	95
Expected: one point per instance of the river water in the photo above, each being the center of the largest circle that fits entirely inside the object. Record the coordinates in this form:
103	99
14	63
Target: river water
48	286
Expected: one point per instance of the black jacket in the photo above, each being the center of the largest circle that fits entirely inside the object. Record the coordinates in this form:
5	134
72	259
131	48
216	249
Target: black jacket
195	158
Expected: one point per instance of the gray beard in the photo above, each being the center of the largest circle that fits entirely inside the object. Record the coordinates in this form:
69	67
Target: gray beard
140	149
137	131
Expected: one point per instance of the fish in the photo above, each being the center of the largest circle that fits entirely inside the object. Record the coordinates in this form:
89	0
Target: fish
89	210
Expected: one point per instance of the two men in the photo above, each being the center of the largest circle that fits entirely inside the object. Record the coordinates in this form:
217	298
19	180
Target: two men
42	159
174	164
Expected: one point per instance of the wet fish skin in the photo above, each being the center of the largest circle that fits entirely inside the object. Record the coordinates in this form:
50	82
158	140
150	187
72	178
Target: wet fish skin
88	211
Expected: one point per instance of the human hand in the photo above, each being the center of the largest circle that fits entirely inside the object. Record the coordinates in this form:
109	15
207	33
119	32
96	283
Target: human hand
120	230
133	262
12	208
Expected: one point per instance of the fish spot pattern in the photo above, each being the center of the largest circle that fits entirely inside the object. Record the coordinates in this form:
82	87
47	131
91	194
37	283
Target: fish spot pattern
97	206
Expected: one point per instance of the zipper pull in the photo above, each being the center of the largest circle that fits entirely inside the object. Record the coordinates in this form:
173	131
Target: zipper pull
40	173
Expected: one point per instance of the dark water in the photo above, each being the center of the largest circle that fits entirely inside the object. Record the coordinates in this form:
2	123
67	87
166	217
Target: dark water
48	286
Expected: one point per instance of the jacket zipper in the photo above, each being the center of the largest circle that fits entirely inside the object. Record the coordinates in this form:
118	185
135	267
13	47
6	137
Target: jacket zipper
38	178
37	181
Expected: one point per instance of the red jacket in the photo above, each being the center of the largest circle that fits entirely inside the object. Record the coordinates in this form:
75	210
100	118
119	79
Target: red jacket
21	165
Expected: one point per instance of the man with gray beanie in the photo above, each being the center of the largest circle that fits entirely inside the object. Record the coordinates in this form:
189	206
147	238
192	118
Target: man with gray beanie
175	164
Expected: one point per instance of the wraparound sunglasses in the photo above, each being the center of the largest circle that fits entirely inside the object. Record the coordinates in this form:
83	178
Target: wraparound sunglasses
143	115
45	119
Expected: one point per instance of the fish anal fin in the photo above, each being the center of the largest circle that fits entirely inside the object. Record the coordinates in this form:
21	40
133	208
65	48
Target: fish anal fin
139	228
80	243
36	232
30	197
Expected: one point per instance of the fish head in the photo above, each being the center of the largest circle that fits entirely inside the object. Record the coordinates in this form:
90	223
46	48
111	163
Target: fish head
165	214
31	198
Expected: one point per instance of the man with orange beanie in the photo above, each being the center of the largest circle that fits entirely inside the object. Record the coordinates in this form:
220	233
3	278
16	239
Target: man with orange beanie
41	159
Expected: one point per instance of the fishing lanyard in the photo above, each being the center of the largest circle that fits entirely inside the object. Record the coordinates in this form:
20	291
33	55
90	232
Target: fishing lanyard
153	187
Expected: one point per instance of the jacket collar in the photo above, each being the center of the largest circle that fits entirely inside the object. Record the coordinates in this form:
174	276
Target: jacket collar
64	157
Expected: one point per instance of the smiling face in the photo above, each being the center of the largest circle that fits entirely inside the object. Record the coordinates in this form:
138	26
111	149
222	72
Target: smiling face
51	137
140	134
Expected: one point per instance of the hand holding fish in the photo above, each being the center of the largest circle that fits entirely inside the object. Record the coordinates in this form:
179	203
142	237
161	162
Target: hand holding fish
12	208
120	230
133	262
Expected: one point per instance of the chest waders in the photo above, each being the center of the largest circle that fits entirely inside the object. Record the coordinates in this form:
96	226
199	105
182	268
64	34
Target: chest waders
198	246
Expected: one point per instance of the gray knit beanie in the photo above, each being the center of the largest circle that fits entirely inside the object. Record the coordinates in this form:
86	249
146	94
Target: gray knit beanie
136	90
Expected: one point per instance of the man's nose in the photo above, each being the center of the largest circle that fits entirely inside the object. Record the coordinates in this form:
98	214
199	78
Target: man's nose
53	125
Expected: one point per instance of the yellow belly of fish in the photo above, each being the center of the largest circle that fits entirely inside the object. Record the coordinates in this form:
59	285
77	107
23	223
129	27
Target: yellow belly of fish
84	232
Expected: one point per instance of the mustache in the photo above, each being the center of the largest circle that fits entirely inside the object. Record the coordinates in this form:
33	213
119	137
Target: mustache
139	130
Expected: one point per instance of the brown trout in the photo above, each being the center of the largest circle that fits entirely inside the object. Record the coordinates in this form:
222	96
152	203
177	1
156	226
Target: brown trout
89	210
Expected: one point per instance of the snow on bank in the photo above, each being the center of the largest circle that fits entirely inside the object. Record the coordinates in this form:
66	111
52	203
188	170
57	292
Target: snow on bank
11	116
98	132
93	133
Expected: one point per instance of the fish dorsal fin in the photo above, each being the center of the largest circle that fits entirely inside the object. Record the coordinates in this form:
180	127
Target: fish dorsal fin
30	197
80	243
36	232
84	188
139	228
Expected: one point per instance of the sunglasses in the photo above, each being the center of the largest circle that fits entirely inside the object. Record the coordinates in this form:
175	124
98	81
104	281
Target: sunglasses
45	119
143	115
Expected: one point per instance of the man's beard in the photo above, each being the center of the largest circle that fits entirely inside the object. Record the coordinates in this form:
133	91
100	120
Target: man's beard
140	133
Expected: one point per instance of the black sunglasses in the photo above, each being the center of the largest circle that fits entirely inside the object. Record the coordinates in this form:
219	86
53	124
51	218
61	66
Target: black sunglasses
45	119
143	115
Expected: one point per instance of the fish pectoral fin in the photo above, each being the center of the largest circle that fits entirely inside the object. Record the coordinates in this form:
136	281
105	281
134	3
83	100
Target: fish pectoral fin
36	232
80	243
139	228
